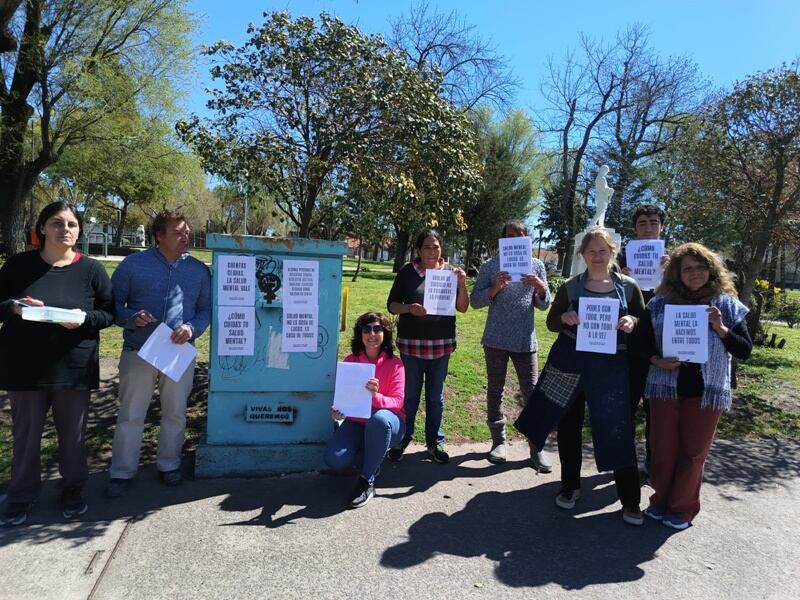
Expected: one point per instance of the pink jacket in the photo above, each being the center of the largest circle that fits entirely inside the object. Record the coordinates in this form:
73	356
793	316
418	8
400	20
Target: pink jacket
391	378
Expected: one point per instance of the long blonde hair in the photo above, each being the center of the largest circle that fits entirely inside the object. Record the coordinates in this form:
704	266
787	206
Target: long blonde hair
720	279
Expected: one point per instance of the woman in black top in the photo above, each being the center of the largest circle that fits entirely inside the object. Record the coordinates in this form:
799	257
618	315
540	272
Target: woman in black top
51	364
425	341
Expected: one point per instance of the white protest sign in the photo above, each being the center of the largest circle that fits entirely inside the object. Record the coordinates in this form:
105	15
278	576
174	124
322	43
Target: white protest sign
598	321
299	329
685	334
301	282
350	396
515	256
440	292
235	330
236	282
644	260
169	358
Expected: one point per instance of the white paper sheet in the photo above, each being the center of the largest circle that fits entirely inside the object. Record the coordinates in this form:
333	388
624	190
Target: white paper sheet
351	397
643	258
235	330
299	328
169	358
236	281
598	321
51	314
441	287
301	282
685	334
515	256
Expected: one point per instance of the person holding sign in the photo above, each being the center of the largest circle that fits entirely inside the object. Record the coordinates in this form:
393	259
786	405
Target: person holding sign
425	341
509	334
163	284
359	442
48	365
572	379
687	398
648	223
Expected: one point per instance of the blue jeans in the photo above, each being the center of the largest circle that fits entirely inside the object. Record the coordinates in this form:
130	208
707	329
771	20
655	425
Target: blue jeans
364	443
434	372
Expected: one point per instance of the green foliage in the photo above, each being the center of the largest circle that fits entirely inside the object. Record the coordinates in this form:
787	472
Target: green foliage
308	108
79	62
737	169
512	174
787	310
554	282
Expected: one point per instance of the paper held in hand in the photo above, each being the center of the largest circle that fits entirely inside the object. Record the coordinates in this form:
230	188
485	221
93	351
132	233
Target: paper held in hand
51	314
351	397
169	358
685	334
643	258
515	256
598	321
440	292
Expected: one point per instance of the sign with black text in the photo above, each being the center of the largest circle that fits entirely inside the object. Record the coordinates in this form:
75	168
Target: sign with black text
597	330
644	260
236	283
441	287
685	334
515	256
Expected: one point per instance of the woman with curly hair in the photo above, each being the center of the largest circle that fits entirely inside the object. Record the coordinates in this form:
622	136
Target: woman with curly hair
362	443
687	399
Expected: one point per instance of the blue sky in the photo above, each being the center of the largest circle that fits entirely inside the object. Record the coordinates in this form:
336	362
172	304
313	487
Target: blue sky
727	39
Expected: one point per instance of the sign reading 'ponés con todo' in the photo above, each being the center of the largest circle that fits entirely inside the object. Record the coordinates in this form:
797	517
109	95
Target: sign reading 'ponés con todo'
598	322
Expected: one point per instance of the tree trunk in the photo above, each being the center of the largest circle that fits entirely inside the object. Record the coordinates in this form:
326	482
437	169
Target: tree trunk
123	218
401	247
358	265
12	216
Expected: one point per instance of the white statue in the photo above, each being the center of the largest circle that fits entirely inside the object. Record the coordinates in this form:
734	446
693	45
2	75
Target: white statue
602	196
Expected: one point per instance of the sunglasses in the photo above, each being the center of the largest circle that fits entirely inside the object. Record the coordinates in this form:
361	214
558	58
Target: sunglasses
372	329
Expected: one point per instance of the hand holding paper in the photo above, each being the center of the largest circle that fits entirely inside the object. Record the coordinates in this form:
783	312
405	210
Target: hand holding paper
169	358
351	397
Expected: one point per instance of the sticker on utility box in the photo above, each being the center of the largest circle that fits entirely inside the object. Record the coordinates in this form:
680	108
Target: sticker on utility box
269	412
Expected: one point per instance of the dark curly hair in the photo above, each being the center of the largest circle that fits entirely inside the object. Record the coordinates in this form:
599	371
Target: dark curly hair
357	344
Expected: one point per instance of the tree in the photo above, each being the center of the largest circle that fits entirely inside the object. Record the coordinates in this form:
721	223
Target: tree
65	74
655	98
511	176
130	163
579	95
472	75
308	109
740	167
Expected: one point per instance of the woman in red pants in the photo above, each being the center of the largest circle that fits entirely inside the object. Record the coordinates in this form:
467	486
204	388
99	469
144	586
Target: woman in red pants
687	399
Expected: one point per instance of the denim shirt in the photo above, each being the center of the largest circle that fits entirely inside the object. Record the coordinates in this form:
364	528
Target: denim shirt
174	293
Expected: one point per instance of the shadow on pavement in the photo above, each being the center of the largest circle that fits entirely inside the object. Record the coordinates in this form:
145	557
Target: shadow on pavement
535	543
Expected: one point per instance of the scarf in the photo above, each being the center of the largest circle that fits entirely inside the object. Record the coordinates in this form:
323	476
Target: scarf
662	384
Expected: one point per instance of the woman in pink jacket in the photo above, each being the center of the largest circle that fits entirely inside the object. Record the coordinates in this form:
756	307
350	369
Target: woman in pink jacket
362	443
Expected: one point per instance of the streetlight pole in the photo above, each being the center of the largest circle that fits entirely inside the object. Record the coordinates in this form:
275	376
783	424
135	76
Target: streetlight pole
539	251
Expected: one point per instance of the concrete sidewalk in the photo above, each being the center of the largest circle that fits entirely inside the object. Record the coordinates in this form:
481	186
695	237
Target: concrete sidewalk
468	530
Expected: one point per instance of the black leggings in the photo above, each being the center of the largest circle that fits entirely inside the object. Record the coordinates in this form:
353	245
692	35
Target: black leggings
570	453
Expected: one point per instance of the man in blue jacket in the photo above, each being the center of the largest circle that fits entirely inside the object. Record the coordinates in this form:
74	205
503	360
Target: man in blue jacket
163	284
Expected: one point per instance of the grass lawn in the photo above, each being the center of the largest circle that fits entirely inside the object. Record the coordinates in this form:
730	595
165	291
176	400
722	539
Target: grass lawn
766	404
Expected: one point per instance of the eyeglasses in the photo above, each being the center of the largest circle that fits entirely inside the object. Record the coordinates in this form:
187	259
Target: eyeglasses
372	329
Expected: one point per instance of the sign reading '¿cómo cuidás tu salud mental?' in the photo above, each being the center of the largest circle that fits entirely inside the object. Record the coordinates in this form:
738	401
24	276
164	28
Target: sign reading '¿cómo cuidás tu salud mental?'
643	258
